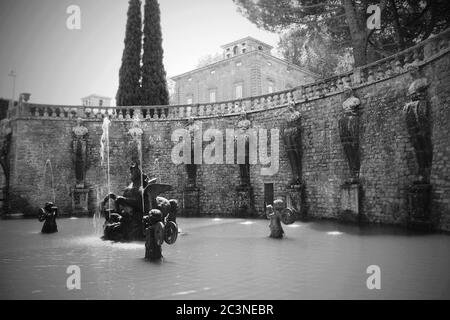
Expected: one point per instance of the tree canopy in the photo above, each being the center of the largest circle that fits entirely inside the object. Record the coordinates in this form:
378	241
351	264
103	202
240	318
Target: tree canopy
403	22
128	93
154	85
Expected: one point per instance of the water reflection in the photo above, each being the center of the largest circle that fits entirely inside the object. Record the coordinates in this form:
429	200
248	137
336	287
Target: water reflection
222	259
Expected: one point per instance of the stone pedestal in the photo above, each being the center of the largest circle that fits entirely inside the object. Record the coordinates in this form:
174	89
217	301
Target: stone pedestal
350	202
294	199
244	203
419	200
80	201
191	202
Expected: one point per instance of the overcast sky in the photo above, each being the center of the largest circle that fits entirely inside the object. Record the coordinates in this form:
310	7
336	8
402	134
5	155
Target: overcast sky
60	66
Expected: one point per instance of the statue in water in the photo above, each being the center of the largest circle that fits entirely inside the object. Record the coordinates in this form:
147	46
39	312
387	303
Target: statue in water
48	214
276	214
141	214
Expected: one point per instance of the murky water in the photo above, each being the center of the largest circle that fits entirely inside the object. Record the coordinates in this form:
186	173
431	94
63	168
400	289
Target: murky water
225	259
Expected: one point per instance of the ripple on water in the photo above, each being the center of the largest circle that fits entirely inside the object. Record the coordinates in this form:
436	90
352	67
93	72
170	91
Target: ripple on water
334	233
181	293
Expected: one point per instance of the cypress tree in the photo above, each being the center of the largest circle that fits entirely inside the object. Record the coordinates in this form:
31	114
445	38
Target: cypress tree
154	84
128	93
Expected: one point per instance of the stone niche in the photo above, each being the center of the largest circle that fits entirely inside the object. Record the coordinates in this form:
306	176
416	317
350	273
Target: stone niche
418	124
191	202
349	134
80	201
350	201
191	193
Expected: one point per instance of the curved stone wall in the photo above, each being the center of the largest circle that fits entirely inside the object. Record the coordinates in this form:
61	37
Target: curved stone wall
387	163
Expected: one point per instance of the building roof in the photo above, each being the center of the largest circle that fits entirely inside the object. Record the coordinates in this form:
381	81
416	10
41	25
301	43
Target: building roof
96	96
256	52
244	40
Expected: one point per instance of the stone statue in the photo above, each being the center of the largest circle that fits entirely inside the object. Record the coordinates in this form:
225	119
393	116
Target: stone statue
79	152
124	214
191	168
293	143
276	214
48	214
349	132
244	168
158	229
417	118
419	129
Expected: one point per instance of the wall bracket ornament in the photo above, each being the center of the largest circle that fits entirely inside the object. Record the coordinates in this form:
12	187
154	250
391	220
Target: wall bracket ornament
79	148
418	123
349	133
79	154
245	202
348	125
293	143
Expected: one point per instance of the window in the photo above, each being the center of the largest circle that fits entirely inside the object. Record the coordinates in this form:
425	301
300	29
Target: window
100	102
270	86
269	63
260	48
213	71
238	64
243	50
238	91
189	99
190	79
228	55
235	50
212	95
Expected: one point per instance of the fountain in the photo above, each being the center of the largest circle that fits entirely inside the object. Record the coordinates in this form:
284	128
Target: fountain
48	214
140	213
278	213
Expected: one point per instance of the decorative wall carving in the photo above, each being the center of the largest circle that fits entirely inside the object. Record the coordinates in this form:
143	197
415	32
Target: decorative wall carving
79	155
417	118
79	152
349	133
245	205
293	143
136	134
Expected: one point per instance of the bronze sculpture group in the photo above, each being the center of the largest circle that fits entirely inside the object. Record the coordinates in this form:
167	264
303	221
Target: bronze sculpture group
278	213
48	215
140	213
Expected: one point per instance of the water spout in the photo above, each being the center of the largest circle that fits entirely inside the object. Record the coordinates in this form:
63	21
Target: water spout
158	169
104	148
136	134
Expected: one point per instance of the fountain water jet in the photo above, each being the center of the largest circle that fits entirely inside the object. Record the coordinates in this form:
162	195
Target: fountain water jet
104	147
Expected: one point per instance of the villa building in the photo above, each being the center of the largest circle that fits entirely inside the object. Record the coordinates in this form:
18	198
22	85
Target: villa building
247	69
95	100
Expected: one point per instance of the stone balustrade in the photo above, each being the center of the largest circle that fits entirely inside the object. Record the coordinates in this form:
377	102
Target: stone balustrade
379	70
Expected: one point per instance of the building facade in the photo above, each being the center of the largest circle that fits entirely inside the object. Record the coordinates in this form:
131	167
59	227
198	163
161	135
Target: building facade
247	69
96	101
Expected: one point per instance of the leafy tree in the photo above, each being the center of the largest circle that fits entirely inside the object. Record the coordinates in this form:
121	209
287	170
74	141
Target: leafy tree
315	52
209	59
403	22
128	93
154	85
